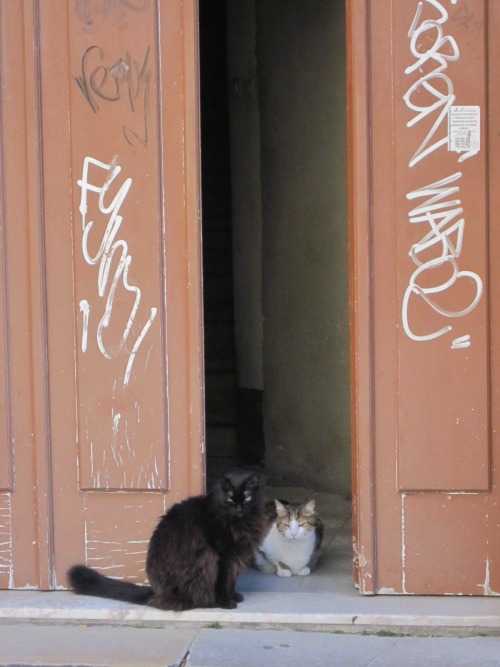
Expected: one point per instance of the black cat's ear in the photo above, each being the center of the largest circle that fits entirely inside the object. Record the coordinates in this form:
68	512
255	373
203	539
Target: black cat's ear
252	483
226	485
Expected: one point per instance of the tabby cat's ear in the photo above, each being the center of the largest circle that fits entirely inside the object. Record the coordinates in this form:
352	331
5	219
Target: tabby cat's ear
281	509
308	508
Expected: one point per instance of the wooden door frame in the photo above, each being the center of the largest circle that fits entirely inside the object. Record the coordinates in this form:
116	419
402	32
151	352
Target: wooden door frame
361	294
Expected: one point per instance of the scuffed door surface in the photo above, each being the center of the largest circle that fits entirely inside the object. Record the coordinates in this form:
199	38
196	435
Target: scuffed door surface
111	89
426	372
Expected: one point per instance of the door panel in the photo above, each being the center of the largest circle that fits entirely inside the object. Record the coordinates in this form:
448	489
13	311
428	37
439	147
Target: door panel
127	251
456	528
111	90
425	374
23	487
119	243
441	214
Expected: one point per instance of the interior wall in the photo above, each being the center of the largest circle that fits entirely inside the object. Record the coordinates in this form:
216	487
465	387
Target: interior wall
246	190
220	359
244	126
296	57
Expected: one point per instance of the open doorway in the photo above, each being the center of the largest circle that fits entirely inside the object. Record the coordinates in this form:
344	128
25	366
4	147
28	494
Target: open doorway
275	238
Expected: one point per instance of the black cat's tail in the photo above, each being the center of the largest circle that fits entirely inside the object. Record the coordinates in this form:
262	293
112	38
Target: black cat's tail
86	581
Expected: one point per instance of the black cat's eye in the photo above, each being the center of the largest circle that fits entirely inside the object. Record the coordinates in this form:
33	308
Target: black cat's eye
248	499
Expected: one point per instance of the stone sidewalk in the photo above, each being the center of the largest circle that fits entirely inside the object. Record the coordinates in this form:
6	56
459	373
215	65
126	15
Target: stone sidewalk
23	645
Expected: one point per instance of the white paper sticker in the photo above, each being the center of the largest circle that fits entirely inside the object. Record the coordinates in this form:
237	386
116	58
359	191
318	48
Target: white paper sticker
464	129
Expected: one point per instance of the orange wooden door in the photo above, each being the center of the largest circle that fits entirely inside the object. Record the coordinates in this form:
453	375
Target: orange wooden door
424	135
107	126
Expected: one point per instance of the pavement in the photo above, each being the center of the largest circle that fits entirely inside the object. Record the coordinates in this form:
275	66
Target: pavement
314	621
118	646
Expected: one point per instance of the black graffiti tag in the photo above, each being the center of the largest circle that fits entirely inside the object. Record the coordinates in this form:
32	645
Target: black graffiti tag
125	79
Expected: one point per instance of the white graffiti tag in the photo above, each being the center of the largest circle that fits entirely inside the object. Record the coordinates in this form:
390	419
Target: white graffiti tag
436	253
443	241
112	274
435	88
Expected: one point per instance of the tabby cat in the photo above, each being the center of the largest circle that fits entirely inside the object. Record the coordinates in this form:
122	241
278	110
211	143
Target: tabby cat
292	544
196	552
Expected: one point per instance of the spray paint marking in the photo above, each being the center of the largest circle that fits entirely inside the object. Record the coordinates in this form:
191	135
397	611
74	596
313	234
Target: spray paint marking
85	310
436	83
443	241
432	95
460	343
110	249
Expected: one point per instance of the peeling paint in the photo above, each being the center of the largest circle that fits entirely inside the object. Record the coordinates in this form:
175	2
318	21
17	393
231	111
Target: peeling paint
6	558
486	586
113	557
365	588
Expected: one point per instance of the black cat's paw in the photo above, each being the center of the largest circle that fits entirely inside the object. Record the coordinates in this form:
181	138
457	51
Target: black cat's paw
238	597
227	604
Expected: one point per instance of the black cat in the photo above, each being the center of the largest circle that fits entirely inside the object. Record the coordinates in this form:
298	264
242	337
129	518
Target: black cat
196	552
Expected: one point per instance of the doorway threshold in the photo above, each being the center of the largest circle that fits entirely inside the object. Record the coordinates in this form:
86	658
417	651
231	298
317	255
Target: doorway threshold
326	600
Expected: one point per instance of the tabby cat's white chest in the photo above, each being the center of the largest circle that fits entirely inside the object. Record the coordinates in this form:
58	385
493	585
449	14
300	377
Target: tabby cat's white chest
293	550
